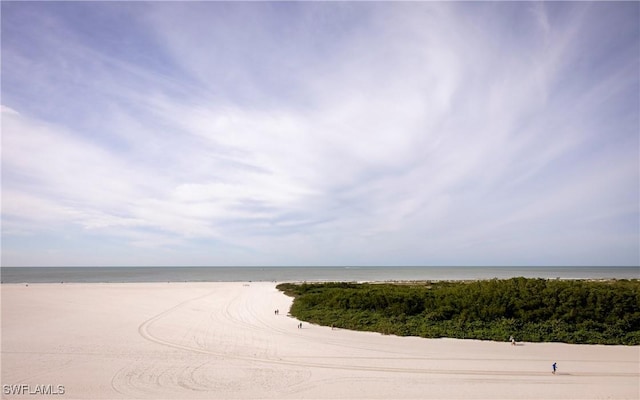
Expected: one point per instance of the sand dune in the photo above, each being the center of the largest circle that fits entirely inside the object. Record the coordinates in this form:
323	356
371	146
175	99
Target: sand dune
224	341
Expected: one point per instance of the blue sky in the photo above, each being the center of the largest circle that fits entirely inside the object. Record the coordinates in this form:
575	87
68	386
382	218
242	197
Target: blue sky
324	133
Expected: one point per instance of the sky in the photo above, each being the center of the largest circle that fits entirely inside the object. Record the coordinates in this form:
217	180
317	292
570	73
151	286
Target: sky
321	133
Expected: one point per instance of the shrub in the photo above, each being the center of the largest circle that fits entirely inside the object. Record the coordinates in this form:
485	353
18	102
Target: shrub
529	309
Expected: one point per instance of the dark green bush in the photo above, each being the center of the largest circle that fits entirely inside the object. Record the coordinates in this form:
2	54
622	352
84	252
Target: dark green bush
534	310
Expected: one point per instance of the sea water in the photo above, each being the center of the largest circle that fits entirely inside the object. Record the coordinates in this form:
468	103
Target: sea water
310	274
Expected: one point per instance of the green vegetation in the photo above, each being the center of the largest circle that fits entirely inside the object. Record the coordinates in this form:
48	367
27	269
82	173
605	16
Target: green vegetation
532	310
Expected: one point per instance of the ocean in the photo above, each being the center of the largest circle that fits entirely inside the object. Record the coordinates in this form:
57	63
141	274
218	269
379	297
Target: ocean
310	274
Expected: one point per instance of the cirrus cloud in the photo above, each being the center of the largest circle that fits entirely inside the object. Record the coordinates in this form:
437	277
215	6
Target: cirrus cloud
320	134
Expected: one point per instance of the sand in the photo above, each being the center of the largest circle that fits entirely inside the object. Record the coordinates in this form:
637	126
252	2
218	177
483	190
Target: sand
224	341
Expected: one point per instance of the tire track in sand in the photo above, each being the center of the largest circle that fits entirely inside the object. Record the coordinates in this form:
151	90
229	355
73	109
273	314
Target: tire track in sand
144	331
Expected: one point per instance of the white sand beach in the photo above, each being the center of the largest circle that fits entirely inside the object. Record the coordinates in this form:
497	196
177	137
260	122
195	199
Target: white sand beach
224	341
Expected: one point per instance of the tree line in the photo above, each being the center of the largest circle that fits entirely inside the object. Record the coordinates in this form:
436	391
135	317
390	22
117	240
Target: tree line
533	310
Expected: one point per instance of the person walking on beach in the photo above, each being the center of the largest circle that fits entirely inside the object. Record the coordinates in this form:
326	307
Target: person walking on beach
512	340
555	367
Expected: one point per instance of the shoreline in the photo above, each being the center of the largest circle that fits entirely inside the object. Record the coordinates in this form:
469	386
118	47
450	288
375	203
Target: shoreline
200	340
392	281
295	274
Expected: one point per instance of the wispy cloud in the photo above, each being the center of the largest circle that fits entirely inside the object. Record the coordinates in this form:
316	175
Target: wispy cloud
320	133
